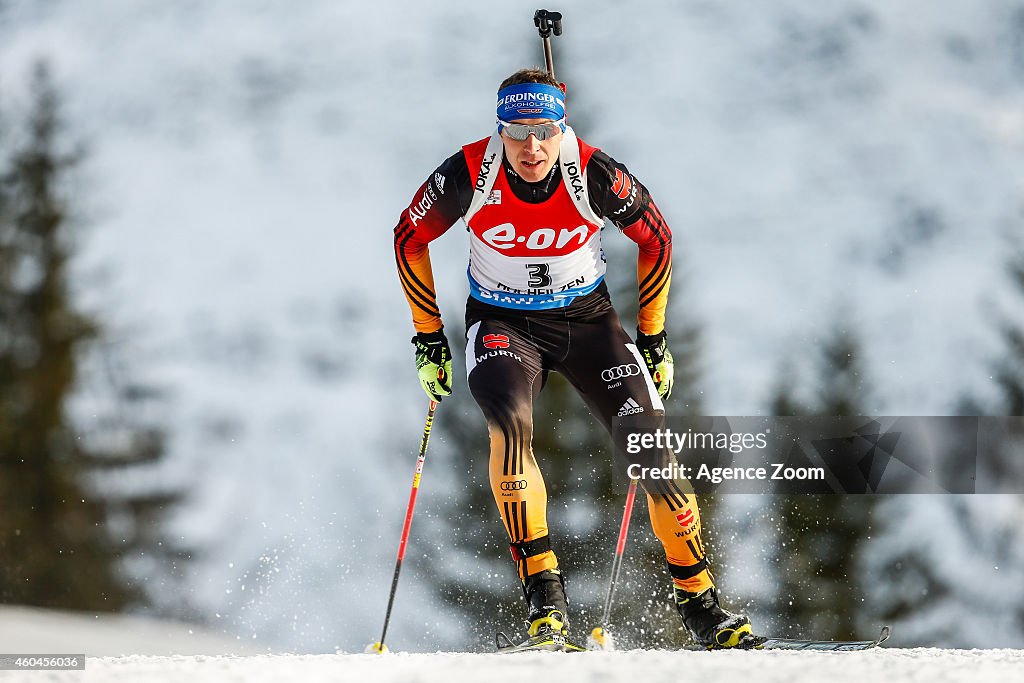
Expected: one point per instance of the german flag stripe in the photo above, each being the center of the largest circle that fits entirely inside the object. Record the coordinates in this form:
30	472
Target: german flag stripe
505	518
516	449
403	259
513	444
512	433
403	234
427	307
652	290
403	227
417	292
519	446
670	498
658	223
508	451
509	447
414	289
651	297
515	521
658	228
656	271
675	499
693	549
672	485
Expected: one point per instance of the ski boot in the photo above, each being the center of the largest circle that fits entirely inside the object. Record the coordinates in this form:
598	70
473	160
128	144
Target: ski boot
548	623
710	626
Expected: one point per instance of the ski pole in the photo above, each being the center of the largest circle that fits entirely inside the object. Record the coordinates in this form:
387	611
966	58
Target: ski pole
379	646
600	634
548	22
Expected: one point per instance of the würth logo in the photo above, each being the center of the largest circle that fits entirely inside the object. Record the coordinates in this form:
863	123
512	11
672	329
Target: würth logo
685	519
622	185
496	341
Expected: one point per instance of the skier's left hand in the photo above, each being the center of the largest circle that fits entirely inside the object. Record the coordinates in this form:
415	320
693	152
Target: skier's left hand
434	363
654	349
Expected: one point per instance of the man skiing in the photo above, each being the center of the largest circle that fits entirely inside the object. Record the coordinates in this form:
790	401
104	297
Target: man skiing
535	197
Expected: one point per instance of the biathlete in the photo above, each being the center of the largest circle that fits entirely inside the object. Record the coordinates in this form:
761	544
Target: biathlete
535	197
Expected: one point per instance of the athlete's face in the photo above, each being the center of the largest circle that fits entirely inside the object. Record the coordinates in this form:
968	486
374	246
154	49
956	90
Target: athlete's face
532	159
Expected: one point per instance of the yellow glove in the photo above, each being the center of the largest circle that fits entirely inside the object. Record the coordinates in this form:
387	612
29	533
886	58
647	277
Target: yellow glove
654	349
434	363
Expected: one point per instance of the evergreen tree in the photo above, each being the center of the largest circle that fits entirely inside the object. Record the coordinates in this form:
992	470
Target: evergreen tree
820	535
959	585
1009	371
784	401
65	528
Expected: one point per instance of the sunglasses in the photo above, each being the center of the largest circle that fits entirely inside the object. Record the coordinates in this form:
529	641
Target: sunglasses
522	131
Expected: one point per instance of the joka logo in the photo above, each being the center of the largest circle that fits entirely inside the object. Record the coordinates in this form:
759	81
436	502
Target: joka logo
513	485
574	178
496	341
485	171
630	407
622	185
620	371
685	519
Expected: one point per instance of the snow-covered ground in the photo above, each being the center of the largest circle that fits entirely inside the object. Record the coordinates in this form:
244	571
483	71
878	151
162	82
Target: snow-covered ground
32	630
920	664
167	651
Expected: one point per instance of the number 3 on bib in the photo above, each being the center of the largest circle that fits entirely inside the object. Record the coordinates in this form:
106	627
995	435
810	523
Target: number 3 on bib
538	275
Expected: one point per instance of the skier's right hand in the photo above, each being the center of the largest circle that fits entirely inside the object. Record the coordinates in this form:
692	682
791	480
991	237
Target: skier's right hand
434	363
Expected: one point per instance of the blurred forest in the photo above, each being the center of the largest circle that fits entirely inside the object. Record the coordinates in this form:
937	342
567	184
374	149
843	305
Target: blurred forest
81	511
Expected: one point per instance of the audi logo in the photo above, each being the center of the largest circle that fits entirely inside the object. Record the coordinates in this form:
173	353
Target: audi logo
518	485
620	371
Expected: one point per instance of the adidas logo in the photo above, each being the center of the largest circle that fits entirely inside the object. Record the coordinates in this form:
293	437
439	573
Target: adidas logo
630	407
439	182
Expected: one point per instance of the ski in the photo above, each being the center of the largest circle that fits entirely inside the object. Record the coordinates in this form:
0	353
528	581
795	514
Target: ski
542	642
793	644
556	642
825	645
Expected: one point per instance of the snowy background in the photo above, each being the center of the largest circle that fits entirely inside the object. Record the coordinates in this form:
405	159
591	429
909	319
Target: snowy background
248	161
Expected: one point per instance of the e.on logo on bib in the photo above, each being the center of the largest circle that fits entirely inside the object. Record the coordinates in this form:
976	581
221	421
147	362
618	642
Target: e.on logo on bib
527	241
